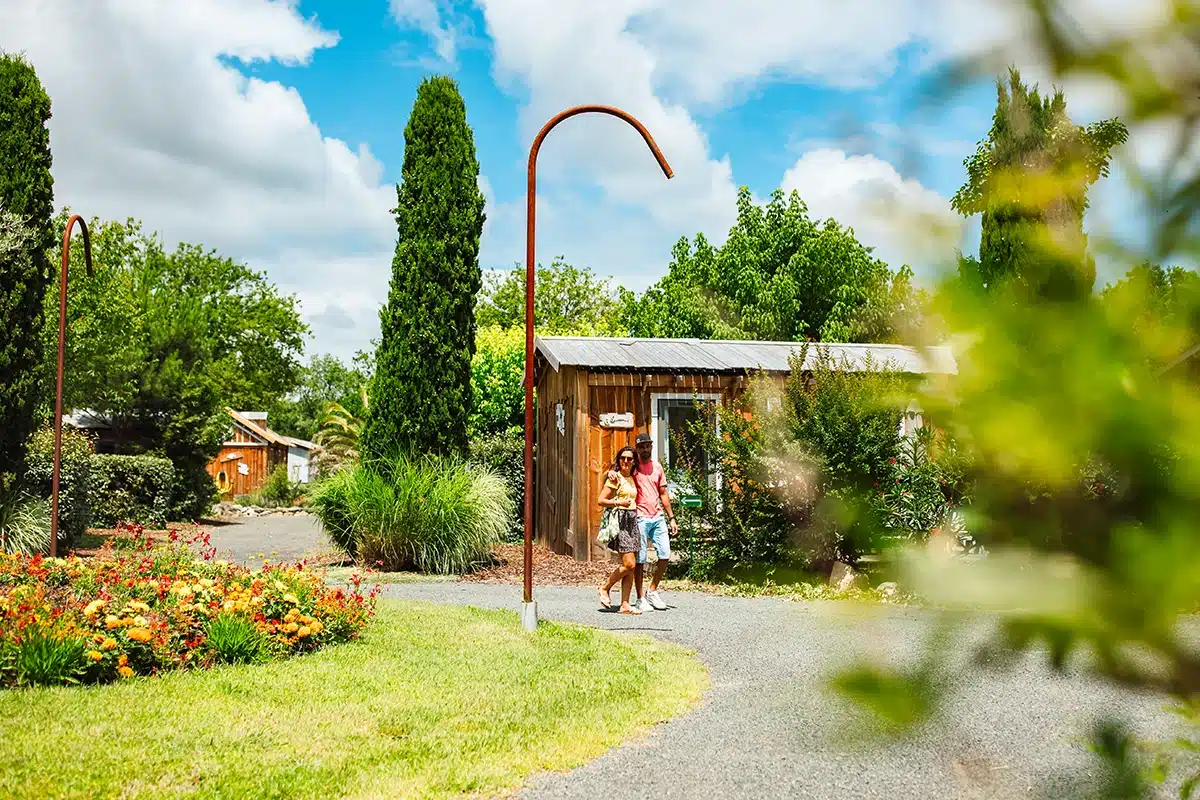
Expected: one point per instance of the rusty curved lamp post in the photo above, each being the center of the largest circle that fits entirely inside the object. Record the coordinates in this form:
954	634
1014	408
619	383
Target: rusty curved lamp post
62	341
529	608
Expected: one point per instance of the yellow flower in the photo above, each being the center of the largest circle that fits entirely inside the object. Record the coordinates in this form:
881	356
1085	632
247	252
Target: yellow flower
228	605
291	598
316	627
109	644
136	606
207	583
125	672
139	634
95	655
140	622
291	627
111	622
122	660
93	608
304	632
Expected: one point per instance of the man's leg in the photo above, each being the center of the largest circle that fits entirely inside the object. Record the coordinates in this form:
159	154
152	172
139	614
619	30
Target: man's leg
640	571
659	534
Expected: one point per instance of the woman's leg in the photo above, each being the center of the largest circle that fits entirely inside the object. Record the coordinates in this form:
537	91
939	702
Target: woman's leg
618	574
628	565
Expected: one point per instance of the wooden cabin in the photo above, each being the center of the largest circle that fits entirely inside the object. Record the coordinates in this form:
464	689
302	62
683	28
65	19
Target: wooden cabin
594	395
252	451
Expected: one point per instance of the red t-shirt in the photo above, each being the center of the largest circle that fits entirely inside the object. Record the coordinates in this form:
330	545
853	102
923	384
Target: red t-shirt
650	480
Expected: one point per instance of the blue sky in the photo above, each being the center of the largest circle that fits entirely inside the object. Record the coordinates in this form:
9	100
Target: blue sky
273	130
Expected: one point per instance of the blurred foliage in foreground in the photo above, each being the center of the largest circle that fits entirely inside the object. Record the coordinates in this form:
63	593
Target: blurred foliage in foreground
1052	379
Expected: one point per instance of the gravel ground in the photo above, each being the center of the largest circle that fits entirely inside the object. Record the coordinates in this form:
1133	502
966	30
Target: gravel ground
769	728
249	540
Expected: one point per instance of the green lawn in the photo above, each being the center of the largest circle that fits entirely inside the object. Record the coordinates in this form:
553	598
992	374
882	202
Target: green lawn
434	701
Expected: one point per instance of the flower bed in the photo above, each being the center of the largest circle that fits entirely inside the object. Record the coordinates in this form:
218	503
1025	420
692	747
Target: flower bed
151	608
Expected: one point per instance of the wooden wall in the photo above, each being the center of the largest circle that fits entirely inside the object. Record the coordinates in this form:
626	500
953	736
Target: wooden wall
246	448
555	497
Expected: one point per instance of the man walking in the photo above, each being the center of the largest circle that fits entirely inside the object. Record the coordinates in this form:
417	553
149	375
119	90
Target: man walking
652	501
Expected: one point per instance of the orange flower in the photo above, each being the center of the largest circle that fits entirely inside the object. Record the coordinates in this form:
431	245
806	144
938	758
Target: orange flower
95	655
125	672
304	632
316	627
139	634
291	627
122	661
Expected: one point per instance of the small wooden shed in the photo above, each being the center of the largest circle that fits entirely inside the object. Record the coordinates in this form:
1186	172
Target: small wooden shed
248	456
595	395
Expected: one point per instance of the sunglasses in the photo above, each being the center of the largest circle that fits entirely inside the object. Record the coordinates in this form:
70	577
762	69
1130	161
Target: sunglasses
626	458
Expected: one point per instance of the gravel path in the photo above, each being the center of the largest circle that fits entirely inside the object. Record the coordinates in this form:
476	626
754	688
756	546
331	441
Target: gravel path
769	728
248	540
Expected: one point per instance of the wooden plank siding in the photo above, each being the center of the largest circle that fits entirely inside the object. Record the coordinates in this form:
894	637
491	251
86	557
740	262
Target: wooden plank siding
244	447
554	471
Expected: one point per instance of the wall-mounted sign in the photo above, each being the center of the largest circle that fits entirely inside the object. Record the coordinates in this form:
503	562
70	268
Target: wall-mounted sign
243	468
620	421
560	419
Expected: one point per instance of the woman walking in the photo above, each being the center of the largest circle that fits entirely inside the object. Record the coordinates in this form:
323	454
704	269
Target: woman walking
619	526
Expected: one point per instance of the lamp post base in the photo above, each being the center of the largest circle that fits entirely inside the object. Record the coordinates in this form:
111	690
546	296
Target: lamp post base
529	616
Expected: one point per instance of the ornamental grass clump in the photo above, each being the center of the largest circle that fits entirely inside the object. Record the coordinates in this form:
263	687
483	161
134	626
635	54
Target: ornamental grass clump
155	608
435	515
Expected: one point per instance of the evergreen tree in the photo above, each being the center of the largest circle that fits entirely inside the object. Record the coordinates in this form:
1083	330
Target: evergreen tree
27	198
421	394
1029	179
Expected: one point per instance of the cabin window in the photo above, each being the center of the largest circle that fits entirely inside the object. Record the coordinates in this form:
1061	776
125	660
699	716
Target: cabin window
672	425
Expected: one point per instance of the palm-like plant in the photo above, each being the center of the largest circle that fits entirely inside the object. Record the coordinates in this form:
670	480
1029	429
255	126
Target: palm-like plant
338	436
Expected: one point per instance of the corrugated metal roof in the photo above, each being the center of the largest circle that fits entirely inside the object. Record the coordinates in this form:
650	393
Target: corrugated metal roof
709	355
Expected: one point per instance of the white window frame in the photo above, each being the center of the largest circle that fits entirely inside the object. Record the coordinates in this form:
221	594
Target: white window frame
663	454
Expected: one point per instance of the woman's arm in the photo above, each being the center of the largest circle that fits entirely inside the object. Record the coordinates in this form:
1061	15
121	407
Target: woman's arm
607	499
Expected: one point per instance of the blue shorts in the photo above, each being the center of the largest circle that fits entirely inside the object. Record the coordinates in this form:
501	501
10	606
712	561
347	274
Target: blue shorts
654	529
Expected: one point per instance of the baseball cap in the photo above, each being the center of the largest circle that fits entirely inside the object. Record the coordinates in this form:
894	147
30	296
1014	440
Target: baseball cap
643	437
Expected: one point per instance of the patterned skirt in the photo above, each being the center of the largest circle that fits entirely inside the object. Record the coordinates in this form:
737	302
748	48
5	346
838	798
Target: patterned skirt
629	540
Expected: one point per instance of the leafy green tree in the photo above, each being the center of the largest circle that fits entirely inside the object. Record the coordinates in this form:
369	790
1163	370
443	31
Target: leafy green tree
497	375
323	381
27	202
162	341
1100	579
779	276
567	300
421	392
1029	180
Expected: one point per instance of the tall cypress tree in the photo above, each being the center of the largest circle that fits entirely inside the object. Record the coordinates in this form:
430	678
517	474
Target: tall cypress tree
1029	179
421	395
27	197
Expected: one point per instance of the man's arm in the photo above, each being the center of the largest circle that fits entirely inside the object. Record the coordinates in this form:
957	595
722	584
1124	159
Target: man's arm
665	497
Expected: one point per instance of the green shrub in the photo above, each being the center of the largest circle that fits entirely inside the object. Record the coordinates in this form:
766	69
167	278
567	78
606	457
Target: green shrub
436	515
133	489
74	497
24	523
193	491
764	499
504	454
849	420
43	659
234	640
278	489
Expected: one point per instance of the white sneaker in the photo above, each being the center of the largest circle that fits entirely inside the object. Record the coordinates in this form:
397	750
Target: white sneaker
644	605
656	601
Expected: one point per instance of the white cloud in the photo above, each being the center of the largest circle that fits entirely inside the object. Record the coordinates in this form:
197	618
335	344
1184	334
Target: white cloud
666	60
151	122
434	18
904	221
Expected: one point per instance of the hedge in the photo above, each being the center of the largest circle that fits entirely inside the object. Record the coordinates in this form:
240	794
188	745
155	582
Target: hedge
133	489
74	512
